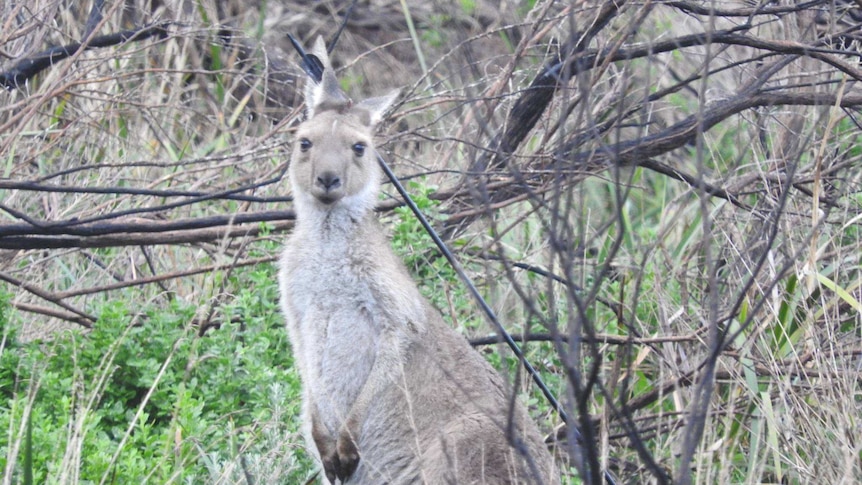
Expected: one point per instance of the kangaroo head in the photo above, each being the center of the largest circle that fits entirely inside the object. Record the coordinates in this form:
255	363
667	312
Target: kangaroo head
334	163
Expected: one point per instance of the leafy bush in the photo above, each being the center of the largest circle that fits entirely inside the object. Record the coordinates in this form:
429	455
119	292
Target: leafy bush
145	398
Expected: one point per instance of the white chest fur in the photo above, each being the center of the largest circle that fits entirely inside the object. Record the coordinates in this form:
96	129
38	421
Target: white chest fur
334	320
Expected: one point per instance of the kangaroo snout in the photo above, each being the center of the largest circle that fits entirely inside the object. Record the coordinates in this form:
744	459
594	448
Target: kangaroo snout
328	181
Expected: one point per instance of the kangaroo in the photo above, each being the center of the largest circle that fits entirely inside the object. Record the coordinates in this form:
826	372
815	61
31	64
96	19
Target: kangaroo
391	394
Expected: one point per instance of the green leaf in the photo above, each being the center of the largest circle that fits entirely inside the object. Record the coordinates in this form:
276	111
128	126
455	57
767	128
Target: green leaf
841	292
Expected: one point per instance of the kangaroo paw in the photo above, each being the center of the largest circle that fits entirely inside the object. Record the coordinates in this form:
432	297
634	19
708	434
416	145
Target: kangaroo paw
348	456
329	458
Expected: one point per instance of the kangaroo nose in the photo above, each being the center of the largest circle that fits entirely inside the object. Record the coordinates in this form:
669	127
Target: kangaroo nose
328	181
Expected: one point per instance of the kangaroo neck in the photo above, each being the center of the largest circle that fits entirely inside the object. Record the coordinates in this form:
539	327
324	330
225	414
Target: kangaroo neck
335	223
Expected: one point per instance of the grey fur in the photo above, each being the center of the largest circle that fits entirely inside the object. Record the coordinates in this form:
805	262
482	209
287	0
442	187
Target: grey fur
391	394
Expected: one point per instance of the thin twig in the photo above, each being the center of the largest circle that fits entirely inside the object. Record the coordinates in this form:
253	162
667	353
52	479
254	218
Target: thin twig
45	295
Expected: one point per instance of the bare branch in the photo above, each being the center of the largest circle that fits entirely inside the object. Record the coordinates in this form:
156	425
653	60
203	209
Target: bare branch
27	68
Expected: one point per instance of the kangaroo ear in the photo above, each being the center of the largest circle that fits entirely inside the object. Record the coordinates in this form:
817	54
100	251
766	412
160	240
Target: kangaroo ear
376	107
318	51
326	94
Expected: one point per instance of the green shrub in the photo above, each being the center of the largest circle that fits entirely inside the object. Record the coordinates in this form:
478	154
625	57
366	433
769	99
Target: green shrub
145	397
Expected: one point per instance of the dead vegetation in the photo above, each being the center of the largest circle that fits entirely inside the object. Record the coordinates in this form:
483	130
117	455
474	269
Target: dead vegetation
665	191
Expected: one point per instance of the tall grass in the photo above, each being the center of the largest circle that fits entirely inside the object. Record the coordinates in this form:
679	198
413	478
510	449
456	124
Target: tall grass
642	292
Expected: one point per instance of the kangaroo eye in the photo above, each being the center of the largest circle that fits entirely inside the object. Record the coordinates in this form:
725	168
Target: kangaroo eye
304	144
359	149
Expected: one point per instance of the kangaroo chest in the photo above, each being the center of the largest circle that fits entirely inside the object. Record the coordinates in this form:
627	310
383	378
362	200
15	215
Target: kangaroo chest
339	324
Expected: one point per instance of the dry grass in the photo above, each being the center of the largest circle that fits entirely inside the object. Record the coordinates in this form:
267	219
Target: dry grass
671	294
